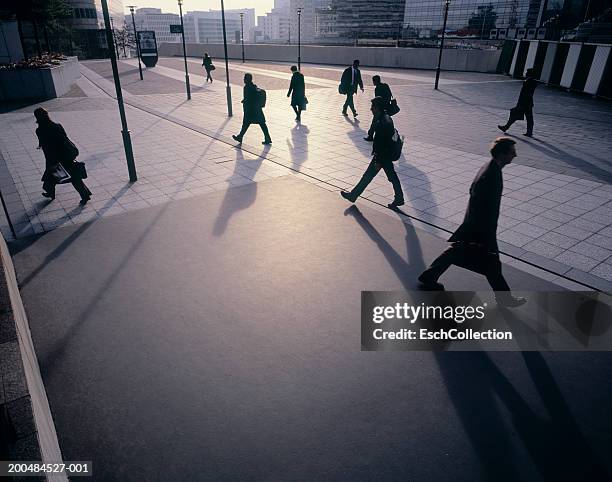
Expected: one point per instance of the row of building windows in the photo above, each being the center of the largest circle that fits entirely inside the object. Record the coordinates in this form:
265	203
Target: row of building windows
84	13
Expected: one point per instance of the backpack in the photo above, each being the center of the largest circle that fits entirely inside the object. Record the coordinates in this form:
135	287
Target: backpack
397	143
261	97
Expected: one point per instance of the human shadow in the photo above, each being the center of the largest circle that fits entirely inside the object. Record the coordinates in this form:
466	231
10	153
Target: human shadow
554	152
298	146
477	386
236	200
405	270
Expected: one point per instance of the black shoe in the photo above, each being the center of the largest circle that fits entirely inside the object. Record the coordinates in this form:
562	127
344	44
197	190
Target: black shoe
344	114
267	142
47	195
355	114
347	196
84	200
528	134
429	284
369	139
502	128
237	139
395	204
510	301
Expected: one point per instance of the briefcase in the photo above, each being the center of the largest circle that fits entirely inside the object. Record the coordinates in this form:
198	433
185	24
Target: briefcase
79	168
393	107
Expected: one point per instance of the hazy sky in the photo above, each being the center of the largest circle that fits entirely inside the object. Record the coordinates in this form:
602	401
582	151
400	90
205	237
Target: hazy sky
171	6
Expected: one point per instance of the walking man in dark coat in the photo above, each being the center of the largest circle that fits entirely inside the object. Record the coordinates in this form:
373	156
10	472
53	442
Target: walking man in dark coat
524	106
475	241
253	110
297	91
58	149
381	150
380	90
351	79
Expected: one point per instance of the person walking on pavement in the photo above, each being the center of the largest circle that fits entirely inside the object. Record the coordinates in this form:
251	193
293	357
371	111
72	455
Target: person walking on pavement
475	241
350	80
297	91
381	150
253	103
524	106
58	149
208	66
380	90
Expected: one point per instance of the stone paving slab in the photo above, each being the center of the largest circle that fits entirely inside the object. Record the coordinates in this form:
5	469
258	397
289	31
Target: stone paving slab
558	217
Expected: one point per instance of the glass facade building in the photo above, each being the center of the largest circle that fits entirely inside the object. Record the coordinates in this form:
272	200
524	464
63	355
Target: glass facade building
363	19
472	18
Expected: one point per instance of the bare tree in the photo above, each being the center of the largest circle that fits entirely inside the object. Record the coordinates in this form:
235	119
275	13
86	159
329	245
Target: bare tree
125	39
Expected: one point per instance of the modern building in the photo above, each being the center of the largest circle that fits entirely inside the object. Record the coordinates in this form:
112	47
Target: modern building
86	25
154	19
207	26
307	22
367	19
276	23
325	23
482	19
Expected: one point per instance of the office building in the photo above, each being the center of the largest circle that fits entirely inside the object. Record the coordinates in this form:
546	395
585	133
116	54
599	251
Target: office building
367	19
207	26
153	19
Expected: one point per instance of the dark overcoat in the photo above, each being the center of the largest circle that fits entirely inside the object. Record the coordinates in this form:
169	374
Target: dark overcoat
253	112
297	89
480	222
53	140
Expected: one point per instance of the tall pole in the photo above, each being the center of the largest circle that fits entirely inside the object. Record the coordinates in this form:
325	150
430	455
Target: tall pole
180	4
114	37
446	4
242	33
131	7
127	141
299	12
228	89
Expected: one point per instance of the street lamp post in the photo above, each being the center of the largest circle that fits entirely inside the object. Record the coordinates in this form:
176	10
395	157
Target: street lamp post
446	4
131	7
114	37
242	33
228	90
180	4
127	141
299	12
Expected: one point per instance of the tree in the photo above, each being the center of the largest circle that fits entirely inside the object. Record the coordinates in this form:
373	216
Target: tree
482	21
125	39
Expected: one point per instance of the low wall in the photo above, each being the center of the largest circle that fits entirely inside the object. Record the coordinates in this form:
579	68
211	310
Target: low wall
39	84
407	58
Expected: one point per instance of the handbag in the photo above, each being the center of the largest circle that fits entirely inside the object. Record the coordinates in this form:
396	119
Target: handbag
80	171
58	174
212	67
342	89
304	103
393	107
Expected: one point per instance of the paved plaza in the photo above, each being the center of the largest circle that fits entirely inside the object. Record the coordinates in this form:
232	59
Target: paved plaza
557	205
203	323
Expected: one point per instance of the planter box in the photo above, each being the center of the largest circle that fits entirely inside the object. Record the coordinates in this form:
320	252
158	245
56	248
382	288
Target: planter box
39	84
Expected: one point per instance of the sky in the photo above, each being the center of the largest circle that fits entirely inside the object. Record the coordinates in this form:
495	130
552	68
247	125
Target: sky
171	6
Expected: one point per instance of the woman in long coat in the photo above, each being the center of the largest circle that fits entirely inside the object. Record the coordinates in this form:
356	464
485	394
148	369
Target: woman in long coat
58	149
297	91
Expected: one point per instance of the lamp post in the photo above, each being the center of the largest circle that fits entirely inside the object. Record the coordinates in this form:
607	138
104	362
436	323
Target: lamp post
228	89
114	37
180	4
446	4
127	141
299	12
242	33
131	7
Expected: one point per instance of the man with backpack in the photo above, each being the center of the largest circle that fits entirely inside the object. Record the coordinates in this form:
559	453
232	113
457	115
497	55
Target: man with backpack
386	149
380	90
253	102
